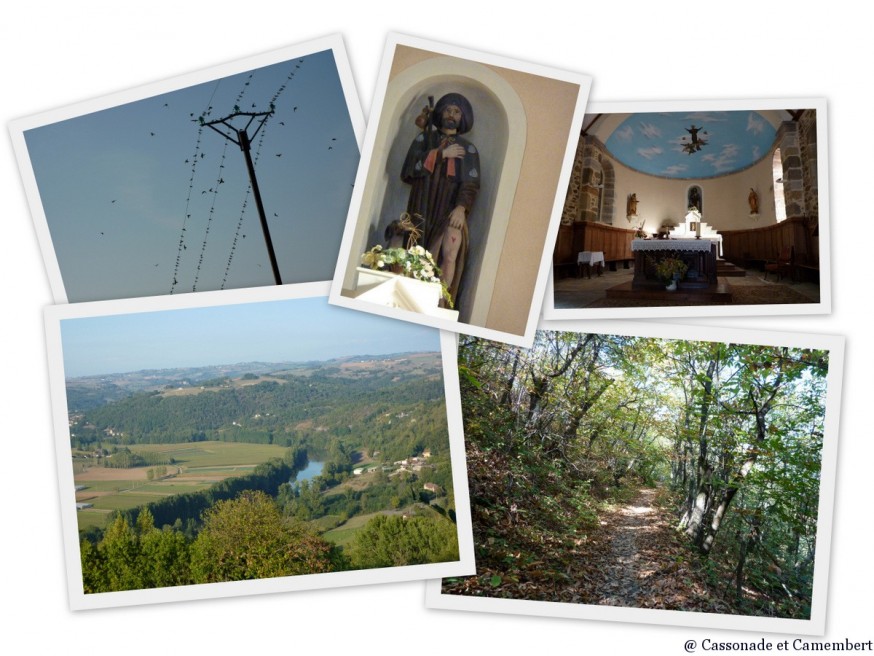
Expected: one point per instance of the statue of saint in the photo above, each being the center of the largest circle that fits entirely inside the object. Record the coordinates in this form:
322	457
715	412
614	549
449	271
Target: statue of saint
753	200
443	171
695	199
631	209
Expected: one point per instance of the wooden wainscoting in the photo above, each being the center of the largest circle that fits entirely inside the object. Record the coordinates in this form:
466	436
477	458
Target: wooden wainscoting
615	243
755	246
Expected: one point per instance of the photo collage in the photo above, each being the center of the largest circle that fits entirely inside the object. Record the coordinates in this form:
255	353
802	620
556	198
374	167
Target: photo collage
292	349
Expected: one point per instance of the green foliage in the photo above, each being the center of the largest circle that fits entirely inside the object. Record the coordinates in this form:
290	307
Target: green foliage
124	459
247	538
759	414
668	267
580	417
395	540
382	409
166	555
259	413
243	538
135	557
188	507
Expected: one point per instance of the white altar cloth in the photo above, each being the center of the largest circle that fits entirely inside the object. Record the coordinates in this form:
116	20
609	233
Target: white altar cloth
690	245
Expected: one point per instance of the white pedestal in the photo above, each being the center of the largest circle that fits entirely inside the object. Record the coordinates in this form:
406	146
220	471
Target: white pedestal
392	290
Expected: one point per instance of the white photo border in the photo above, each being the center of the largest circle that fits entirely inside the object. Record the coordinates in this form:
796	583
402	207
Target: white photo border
77	598
550	312
17	128
344	263
835	344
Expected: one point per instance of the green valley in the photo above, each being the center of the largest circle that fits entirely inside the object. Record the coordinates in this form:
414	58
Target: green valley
334	454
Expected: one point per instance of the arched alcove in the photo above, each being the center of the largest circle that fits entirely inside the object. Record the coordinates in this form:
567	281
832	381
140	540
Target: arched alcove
695	198
499	133
779	195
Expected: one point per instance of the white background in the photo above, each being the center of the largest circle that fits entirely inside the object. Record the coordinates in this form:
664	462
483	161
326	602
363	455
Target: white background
56	53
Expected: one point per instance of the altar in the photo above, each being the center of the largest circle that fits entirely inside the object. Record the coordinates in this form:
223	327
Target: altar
699	255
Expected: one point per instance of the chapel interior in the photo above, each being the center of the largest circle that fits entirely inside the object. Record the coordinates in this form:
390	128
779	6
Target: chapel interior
648	186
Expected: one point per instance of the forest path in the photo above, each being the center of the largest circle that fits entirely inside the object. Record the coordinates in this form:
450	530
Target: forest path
642	561
625	566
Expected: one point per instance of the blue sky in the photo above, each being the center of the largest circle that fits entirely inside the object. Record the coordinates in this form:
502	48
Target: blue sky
653	142
118	186
275	331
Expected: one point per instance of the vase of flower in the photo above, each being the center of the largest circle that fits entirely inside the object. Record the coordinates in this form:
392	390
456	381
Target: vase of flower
671	270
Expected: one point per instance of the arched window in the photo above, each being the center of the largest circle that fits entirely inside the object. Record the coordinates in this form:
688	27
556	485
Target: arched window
779	197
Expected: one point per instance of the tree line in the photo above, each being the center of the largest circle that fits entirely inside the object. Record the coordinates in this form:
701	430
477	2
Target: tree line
246	538
183	512
257	526
393	414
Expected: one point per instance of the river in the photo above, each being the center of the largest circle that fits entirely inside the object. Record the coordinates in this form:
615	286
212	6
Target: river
313	469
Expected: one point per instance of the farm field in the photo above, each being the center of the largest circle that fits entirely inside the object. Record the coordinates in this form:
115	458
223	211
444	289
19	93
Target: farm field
213	454
195	467
92	518
342	535
239	382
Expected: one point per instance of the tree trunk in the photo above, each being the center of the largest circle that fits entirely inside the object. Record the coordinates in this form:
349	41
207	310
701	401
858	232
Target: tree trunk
703	532
693	520
506	396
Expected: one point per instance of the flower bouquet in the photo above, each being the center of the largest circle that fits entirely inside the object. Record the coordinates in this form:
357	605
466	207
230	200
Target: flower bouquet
639	232
671	269
413	262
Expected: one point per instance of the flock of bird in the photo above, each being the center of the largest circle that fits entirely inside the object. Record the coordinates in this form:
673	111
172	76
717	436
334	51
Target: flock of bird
198	159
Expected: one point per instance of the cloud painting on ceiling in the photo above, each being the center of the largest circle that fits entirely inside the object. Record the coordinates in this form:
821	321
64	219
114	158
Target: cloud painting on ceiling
691	144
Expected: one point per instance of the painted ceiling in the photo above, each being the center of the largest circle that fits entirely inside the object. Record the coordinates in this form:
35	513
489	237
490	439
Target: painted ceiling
692	144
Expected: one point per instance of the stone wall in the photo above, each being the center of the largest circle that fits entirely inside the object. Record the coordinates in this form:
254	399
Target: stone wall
590	190
807	143
571	209
793	169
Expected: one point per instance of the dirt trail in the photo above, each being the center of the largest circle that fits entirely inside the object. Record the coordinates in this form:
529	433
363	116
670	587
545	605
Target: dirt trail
634	559
628	562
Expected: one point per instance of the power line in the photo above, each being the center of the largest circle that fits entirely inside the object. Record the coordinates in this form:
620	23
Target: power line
215	190
239	135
